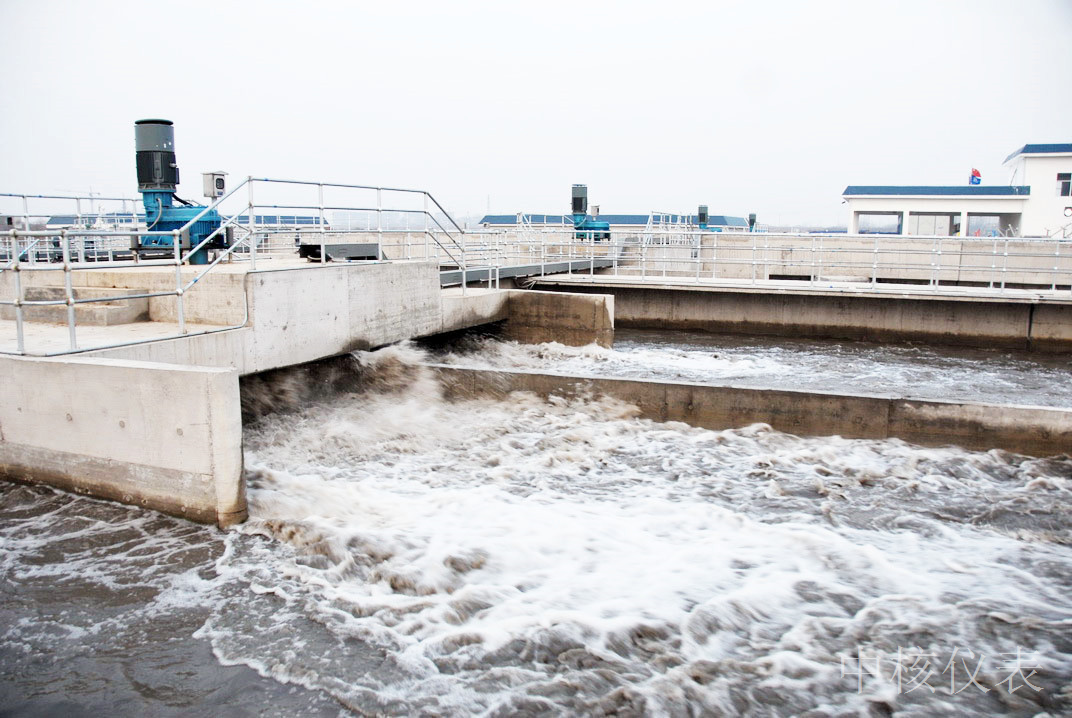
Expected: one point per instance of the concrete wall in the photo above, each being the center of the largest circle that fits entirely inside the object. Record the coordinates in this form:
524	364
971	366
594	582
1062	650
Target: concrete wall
572	319
1034	431
955	321
216	299
160	436
305	314
309	312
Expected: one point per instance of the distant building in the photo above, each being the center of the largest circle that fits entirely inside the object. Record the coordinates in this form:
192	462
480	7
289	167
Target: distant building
1037	202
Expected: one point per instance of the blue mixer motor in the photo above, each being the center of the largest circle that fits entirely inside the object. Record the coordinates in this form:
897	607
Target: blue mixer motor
586	227
158	176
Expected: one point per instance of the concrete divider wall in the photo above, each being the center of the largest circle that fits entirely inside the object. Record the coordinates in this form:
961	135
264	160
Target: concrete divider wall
310	312
1045	326
1035	431
306	313
161	436
572	319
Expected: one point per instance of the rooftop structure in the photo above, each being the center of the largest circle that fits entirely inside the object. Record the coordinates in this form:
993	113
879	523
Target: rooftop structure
1025	207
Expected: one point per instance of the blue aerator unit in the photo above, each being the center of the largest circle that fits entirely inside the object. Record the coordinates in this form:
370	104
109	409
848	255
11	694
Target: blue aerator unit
587	227
158	176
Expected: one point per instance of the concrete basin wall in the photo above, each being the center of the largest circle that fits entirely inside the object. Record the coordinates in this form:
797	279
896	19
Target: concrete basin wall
1041	325
1034	431
310	312
160	436
571	319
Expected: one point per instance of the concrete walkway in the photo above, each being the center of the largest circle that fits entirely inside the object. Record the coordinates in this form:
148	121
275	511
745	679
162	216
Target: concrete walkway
43	339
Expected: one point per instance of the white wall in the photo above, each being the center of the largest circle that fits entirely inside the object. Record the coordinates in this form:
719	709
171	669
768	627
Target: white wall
1045	212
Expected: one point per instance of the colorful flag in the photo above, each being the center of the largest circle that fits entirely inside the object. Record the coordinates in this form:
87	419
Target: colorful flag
975	178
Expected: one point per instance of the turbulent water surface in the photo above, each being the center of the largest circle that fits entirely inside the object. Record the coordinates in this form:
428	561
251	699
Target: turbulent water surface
903	370
410	556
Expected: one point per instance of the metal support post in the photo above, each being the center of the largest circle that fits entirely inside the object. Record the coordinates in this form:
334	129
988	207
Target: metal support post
874	265
323	244
754	257
65	248
20	340
176	239
1005	264
1056	264
379	215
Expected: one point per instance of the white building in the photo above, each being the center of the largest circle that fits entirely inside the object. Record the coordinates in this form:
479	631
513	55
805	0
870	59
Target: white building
1037	202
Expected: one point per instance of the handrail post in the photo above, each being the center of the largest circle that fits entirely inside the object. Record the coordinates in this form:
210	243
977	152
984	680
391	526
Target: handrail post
699	248
993	262
714	256
176	239
379	215
1005	264
754	257
819	272
25	216
323	243
543	255
426	247
65	248
252	224
20	339
1056	264
874	265
592	258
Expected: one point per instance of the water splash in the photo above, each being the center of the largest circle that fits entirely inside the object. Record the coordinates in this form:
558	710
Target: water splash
564	556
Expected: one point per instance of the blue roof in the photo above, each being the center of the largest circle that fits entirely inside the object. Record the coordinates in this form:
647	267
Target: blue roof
72	219
958	191
270	219
715	220
1040	150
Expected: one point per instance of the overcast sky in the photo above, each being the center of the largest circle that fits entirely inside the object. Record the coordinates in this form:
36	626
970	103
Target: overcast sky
768	107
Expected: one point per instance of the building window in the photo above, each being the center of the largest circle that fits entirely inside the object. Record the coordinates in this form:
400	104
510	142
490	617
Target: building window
1064	184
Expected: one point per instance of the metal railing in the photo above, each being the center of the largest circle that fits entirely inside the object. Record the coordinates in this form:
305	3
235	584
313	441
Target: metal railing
881	262
269	222
95	238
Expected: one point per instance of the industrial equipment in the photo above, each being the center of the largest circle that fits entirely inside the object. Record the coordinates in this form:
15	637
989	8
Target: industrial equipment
752	222
587	227
158	175
701	216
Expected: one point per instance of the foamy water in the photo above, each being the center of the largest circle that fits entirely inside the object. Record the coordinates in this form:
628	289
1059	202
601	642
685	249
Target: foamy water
913	371
410	556
493	557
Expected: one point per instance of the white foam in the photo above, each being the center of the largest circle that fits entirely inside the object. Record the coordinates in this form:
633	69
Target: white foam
501	544
909	371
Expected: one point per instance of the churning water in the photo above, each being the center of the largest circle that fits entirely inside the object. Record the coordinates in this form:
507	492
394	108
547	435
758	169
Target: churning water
406	555
902	370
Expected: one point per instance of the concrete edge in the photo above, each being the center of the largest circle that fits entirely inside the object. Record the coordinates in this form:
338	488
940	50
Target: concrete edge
160	436
1029	430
